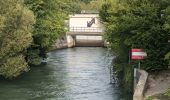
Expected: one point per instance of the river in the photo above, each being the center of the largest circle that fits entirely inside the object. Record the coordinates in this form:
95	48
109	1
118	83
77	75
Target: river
69	74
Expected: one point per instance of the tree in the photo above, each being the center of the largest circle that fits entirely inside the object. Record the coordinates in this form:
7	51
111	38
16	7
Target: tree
49	26
86	1
110	13
16	23
140	24
92	5
50	16
137	24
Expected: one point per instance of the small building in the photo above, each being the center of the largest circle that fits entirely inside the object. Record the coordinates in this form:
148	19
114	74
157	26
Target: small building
84	29
85	22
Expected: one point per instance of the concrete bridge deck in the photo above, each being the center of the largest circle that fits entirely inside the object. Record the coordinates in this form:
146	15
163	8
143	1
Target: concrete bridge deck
86	31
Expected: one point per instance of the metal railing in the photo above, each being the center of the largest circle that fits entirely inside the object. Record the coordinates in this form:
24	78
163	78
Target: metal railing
86	29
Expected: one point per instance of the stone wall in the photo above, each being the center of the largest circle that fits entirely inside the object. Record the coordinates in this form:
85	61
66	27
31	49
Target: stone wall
61	43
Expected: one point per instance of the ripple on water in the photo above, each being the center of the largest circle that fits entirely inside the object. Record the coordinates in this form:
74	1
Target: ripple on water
69	74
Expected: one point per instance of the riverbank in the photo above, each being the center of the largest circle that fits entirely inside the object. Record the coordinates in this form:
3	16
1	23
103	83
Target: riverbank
158	83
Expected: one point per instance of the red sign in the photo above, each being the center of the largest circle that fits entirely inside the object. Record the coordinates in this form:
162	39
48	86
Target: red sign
138	54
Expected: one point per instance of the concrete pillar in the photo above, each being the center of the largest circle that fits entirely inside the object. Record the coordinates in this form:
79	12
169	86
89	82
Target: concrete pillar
74	40
70	41
106	43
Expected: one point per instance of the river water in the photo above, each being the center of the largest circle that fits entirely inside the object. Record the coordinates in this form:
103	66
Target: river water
69	74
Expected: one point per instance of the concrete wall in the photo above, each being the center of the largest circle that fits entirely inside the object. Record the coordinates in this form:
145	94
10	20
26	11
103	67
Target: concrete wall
78	24
139	87
89	43
80	20
70	41
79	37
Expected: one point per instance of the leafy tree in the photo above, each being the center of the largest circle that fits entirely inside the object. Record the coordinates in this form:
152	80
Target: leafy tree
70	6
15	37
50	16
137	24
140	24
92	5
26	36
49	26
110	13
86	1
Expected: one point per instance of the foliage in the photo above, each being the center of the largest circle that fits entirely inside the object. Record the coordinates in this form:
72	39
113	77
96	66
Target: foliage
26	35
49	26
92	5
86	1
70	6
138	24
109	13
14	66
150	98
50	16
168	93
15	37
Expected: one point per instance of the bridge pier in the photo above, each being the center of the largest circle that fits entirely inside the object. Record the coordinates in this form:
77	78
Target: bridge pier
71	41
85	41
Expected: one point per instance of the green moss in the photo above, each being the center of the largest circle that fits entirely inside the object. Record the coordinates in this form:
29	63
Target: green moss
168	93
150	98
158	97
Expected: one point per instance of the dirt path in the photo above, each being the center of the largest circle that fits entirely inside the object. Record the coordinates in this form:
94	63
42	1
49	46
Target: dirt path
158	83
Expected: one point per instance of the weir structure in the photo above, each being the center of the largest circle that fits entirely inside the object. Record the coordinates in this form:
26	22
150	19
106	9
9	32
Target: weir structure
85	30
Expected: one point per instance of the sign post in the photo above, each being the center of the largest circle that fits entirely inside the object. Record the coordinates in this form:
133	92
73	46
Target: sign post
137	54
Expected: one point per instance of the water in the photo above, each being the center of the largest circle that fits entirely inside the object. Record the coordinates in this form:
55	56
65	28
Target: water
70	74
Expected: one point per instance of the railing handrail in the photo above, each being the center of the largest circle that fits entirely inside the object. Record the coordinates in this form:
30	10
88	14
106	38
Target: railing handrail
86	29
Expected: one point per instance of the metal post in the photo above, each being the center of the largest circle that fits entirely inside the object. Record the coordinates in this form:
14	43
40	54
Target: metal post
135	78
139	65
129	55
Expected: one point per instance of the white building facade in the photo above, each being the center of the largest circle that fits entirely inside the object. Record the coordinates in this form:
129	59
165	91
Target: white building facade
84	23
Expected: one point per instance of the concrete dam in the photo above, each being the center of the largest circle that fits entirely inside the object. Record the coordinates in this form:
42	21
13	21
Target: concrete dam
85	30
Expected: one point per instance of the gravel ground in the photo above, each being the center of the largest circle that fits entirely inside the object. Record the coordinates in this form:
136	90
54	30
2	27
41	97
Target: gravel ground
158	83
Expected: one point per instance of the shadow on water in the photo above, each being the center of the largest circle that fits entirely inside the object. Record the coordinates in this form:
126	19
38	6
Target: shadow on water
69	74
39	83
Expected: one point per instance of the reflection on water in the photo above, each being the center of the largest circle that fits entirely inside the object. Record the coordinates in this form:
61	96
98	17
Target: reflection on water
70	74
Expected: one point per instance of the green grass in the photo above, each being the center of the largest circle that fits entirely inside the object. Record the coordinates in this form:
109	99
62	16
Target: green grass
150	98
159	97
168	93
